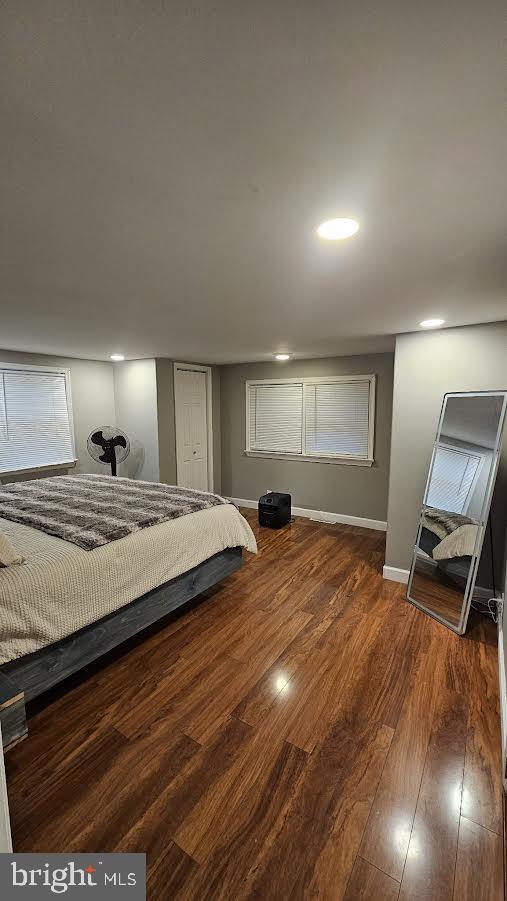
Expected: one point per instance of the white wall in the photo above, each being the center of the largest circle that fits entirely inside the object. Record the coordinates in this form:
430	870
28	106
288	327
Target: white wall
5	825
502	654
135	388
426	366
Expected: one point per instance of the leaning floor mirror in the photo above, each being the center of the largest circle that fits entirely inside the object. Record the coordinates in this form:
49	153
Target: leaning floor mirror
456	505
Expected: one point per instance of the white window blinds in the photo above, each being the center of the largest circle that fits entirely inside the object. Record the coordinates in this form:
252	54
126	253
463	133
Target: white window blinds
35	419
452	478
275	418
331	418
337	418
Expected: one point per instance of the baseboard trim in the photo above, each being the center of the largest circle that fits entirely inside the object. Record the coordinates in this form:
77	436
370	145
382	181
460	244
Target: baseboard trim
322	516
503	699
394	574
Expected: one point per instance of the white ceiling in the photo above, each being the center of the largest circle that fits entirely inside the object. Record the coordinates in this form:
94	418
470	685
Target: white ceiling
473	419
164	165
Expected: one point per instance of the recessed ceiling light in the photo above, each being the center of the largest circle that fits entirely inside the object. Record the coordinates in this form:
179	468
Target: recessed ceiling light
117	358
431	323
336	229
282	357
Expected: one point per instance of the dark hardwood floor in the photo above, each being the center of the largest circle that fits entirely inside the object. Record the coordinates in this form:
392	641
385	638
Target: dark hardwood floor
302	732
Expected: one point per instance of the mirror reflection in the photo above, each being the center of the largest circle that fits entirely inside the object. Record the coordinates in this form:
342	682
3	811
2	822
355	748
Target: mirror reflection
456	505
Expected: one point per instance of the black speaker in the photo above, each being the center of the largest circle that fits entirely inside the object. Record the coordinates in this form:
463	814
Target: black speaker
274	509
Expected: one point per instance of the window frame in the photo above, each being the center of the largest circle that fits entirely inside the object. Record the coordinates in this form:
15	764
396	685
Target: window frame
348	459
473	485
45	467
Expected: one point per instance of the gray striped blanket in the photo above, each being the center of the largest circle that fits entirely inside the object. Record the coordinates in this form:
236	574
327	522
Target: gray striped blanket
442	522
92	510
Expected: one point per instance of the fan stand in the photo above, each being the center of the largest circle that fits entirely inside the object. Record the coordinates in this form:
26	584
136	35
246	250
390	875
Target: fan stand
110	455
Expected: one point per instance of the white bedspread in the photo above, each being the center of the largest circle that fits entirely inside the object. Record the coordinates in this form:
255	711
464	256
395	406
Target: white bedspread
460	543
61	587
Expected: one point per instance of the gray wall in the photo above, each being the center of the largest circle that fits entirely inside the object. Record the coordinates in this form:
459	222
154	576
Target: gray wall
427	365
216	414
166	421
92	386
135	389
335	488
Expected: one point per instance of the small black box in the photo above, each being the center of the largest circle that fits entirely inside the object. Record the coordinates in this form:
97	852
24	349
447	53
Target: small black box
274	509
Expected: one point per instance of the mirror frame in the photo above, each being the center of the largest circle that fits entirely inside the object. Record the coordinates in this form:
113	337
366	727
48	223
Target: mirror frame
488	494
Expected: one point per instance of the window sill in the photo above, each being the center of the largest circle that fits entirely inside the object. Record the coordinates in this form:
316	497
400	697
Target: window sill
347	461
50	467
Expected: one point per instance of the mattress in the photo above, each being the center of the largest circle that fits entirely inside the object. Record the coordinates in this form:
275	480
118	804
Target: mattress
62	588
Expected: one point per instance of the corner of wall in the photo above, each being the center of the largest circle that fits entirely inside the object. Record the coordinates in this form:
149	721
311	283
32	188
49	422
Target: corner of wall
166	420
216	414
135	402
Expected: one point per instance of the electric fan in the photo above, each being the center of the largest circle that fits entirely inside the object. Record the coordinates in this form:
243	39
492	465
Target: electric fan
107	444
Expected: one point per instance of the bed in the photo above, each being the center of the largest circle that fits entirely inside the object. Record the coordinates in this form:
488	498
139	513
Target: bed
66	606
449	539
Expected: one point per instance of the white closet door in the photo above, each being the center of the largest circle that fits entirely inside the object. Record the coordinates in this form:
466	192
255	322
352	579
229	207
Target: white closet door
191	429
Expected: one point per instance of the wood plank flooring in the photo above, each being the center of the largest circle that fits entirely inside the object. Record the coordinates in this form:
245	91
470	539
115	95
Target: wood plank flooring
301	732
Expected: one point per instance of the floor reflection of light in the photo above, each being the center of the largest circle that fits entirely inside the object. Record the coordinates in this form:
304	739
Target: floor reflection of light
414	849
281	683
455	799
401	837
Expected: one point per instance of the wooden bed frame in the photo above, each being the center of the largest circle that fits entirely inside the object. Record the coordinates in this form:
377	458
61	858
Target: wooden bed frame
25	678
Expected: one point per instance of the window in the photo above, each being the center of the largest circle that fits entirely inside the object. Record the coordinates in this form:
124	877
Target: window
452	478
327	419
35	418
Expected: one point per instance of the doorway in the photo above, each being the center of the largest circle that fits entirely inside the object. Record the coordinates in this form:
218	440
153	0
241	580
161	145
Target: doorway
194	432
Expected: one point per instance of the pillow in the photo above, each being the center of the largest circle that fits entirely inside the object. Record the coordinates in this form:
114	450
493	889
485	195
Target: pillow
8	553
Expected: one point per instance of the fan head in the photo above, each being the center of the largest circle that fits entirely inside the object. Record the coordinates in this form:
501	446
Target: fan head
108	444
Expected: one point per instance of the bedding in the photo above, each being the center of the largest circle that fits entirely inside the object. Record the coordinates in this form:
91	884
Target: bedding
8	553
457	533
62	587
460	543
91	510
